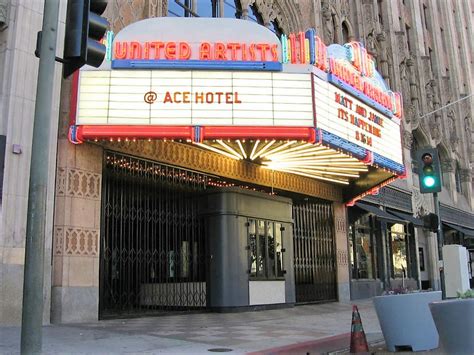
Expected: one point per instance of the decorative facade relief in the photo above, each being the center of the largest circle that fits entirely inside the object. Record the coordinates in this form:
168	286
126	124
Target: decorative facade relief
70	241
342	257
407	139
341	226
448	165
453	135
78	183
465	175
329	30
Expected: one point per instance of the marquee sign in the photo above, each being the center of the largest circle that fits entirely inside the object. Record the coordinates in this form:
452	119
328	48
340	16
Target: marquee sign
146	97
292	104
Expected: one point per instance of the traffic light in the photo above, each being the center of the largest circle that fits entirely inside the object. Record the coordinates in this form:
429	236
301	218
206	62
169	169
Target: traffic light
84	29
429	170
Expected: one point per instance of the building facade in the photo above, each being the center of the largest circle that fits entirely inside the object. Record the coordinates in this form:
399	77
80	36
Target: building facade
295	239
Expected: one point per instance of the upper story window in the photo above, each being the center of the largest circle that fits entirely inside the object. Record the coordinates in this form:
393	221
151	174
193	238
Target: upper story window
425	16
345	32
204	8
457	176
218	8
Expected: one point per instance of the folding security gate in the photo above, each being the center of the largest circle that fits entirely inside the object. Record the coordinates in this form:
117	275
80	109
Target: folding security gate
152	254
314	251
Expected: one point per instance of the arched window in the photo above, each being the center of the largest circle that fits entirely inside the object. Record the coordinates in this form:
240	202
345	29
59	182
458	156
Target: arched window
414	147
205	8
457	176
345	32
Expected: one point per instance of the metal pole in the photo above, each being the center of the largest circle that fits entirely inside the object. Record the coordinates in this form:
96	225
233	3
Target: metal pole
32	316
440	240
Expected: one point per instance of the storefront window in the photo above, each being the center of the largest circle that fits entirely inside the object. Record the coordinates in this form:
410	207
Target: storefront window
265	249
399	243
361	249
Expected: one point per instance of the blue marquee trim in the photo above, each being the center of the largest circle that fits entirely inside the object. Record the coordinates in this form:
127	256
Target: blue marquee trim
196	64
388	164
359	152
341	143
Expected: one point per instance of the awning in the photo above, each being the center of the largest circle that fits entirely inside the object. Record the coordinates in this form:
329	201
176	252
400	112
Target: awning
379	213
409	218
466	231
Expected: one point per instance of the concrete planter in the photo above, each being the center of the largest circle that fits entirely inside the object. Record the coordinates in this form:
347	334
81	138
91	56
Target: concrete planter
406	320
455	322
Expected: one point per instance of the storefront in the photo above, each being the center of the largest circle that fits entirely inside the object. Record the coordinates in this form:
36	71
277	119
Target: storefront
220	163
458	228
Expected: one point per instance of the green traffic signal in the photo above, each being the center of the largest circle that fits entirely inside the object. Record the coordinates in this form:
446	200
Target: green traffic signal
429	172
429	181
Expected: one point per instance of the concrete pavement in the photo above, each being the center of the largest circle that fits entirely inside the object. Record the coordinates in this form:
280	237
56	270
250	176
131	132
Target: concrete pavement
322	328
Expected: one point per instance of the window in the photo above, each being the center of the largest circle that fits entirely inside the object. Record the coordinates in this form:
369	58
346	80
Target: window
345	32
457	176
414	147
265	249
379	7
407	31
425	15
205	8
361	249
421	256
399	246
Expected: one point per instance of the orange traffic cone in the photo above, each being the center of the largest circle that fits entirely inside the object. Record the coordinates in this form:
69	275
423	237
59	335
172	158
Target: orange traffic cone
358	340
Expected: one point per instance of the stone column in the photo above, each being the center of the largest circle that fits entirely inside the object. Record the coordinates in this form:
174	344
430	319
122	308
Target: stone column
75	290
340	227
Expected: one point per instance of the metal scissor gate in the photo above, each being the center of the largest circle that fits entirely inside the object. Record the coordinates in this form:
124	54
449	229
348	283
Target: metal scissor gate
314	251
152	254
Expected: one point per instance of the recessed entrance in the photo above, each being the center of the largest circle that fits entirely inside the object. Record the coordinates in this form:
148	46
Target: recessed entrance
152	253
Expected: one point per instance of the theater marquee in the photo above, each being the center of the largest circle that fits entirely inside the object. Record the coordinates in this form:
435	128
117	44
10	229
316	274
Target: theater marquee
290	104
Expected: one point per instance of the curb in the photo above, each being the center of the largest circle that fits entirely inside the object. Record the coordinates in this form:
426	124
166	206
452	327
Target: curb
323	345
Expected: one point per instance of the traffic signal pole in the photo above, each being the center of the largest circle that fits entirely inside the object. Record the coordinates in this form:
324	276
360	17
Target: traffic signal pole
440	240
32	313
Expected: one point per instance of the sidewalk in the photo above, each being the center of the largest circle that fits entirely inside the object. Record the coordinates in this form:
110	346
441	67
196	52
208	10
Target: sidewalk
319	328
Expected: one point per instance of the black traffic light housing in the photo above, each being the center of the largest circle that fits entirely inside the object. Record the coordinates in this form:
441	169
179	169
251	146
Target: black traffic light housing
84	29
431	222
429	170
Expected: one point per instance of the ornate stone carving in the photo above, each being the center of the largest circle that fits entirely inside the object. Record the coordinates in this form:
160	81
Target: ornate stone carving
328	21
154	9
188	156
72	241
342	257
265	7
448	165
465	175
78	183
407	139
453	136
341	225
420	205
371	43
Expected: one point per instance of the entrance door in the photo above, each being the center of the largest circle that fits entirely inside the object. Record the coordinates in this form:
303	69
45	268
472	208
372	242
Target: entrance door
152	254
314	251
